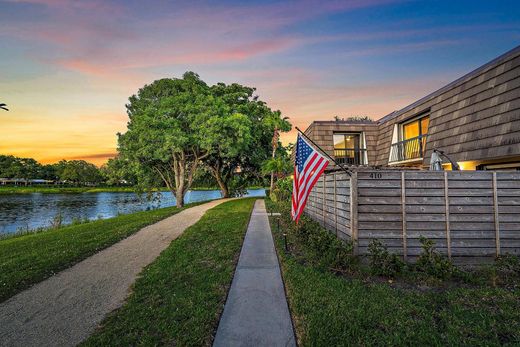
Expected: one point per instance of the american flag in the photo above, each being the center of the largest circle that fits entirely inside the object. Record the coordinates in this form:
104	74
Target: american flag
309	166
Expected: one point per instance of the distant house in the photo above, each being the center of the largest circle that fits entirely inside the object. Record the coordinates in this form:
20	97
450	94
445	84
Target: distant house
23	181
475	120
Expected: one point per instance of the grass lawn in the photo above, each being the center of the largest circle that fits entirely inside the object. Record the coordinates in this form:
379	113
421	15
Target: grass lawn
350	310
30	258
178	299
8	190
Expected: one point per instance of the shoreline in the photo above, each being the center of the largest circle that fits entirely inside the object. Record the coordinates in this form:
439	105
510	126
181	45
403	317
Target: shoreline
78	190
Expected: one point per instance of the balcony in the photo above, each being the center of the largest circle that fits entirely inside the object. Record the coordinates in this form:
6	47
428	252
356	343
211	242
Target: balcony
350	156
408	149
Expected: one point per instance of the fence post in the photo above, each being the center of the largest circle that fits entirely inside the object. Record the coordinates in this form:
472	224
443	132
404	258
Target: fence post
324	176
335	208
403	210
447	213
354	210
496	216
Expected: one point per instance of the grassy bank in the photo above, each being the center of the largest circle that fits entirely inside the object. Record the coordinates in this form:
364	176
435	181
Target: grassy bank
30	258
339	303
8	190
178	299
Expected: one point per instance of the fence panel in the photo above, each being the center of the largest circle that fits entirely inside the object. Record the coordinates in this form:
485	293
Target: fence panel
471	215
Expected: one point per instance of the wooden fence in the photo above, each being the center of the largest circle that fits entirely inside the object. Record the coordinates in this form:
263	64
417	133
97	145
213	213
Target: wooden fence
471	215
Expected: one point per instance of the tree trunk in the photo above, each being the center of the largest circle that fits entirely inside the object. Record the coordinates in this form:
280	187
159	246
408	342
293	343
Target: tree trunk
223	188
273	155
179	196
179	165
221	183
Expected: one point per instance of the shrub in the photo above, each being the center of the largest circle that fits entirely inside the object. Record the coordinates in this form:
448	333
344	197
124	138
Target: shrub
507	268
282	190
328	250
318	245
432	262
382	262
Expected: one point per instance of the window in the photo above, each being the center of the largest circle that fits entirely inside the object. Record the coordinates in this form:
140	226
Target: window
412	136
349	148
415	128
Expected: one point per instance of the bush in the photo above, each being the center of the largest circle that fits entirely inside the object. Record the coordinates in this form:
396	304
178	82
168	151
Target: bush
282	190
506	268
318	245
328	250
432	262
382	262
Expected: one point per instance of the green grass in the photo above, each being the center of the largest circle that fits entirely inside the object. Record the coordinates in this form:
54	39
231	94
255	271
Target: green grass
351	310
178	299
8	190
29	258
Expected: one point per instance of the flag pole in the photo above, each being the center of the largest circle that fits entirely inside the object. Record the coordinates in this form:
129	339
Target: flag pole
322	151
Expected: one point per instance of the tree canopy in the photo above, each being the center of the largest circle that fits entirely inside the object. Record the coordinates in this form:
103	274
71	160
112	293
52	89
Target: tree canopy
73	171
78	172
177	125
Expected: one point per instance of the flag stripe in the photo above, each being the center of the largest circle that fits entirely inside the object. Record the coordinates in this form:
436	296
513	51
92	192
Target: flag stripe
303	187
309	166
308	163
311	184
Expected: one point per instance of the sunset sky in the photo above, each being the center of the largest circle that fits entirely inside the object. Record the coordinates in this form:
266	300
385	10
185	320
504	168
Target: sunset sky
68	67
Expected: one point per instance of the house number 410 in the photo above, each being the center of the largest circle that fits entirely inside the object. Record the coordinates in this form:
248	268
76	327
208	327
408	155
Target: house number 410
376	175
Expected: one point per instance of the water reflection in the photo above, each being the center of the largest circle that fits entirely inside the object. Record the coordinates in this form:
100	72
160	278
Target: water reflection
32	211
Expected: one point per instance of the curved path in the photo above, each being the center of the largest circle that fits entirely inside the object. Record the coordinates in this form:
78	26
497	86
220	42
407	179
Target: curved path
65	309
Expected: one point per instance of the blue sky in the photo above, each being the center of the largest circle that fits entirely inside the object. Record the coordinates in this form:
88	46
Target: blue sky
68	67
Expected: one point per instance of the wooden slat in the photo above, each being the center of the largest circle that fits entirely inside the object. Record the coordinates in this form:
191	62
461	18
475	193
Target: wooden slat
495	209
335	207
447	213
403	211
353	210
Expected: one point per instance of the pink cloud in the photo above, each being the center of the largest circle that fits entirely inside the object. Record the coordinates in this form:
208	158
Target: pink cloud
263	16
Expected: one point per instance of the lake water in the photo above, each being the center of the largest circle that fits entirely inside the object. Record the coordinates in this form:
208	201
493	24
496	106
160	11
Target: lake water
32	211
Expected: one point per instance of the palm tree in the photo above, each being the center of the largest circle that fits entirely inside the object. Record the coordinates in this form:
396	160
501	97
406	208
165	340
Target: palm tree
4	107
280	124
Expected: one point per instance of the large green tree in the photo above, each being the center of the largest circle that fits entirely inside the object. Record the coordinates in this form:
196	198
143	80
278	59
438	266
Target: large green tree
231	133
178	124
240	135
163	135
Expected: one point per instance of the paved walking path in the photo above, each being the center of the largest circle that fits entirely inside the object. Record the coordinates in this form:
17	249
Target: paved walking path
256	311
65	309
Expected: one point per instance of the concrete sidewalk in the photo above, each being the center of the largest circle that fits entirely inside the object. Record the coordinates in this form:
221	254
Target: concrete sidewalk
65	309
256	311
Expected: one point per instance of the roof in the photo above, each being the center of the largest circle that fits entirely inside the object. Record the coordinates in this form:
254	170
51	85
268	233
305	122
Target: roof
499	60
360	122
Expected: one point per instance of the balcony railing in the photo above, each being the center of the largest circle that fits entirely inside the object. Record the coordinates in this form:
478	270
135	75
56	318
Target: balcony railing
350	156
408	149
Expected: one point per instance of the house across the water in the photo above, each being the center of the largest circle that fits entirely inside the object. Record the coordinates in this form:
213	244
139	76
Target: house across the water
475	120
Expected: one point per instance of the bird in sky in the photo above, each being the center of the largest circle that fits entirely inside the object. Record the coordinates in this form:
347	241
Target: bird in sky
3	107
